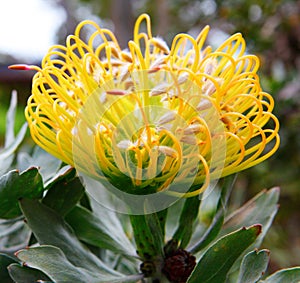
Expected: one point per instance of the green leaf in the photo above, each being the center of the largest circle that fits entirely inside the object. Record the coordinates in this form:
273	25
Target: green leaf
14	186
5	261
226	189
99	231
54	263
188	216
10	119
261	209
118	225
14	235
289	275
219	258
253	266
215	226
7	154
64	195
49	228
11	142
48	164
210	234
66	173
24	274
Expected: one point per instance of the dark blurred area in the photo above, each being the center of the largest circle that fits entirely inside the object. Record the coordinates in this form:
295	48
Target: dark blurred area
272	32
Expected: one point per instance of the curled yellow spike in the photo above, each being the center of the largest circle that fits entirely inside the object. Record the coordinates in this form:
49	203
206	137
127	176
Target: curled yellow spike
152	117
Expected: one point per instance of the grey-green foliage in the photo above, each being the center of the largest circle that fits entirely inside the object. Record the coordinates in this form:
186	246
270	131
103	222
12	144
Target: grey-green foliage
12	142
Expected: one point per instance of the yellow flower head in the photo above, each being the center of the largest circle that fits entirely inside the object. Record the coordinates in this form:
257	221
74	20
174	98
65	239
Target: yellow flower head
151	115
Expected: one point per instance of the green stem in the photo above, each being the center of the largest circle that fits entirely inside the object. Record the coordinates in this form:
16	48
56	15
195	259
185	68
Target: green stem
148	231
143	236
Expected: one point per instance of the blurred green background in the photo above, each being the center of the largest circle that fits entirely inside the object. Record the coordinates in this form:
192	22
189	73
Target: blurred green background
271	30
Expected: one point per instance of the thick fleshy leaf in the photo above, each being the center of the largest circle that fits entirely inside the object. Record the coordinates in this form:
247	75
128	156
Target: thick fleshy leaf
24	274
253	266
54	263
48	164
64	195
289	275
14	186
219	258
49	228
14	235
5	261
98	231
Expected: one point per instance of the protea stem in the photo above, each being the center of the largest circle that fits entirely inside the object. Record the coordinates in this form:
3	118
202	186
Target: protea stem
148	231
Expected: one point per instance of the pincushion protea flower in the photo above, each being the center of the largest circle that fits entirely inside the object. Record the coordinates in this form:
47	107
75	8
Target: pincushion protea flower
150	115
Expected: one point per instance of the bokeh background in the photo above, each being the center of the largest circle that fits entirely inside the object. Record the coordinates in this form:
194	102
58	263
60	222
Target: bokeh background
272	31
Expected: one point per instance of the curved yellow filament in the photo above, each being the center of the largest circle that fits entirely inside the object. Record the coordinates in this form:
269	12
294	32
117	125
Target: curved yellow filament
189	80
136	33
